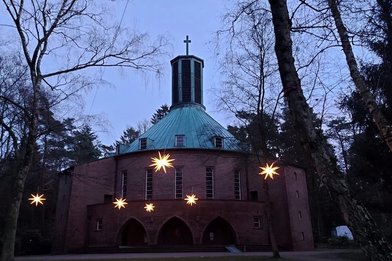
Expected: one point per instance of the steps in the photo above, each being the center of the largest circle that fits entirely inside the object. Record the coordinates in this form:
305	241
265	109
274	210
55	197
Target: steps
152	249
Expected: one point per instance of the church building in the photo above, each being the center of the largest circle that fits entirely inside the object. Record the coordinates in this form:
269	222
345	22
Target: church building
185	182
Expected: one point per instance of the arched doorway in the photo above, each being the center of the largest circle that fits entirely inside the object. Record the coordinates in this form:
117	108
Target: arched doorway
175	232
133	233
219	232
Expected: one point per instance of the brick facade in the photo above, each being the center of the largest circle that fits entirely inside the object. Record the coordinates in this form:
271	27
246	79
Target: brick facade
88	218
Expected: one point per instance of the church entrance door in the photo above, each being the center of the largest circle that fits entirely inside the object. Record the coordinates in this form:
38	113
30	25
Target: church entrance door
133	233
219	232
175	232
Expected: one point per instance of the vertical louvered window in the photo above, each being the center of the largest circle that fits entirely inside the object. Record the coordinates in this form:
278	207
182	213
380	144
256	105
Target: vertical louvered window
149	173
186	80
175	83
198	82
124	181
209	182
178	183
237	184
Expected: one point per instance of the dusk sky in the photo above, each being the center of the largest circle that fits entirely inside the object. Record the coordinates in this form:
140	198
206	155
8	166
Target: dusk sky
135	96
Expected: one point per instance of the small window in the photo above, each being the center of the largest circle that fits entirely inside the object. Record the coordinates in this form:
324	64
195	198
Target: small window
302	236
218	142
254	196
257	224
180	141
99	225
300	214
297	194
295	175
143	143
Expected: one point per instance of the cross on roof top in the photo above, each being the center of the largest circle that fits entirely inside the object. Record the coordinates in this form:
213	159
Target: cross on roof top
187	41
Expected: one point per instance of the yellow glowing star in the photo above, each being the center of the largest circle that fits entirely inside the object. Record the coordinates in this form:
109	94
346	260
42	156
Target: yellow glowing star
149	207
120	203
37	199
162	162
190	200
269	171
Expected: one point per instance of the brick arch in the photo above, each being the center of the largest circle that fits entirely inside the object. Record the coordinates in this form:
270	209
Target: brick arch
219	232
175	231
132	232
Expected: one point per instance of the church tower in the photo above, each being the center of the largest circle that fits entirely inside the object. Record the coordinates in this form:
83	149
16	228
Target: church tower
187	79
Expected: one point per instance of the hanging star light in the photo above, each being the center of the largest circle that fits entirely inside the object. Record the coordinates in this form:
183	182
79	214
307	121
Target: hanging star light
120	203
190	200
162	162
35	199
149	207
269	171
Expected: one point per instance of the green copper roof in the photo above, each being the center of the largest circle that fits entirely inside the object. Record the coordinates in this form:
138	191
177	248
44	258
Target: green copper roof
191	120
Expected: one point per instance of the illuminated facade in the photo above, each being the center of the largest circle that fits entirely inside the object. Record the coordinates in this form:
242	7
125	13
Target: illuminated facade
207	165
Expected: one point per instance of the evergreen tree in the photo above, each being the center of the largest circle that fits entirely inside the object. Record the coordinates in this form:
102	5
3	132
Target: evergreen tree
160	113
85	146
128	136
369	159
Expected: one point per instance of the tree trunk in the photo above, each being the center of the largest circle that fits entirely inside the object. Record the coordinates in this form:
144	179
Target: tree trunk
24	158
356	217
271	231
382	124
10	225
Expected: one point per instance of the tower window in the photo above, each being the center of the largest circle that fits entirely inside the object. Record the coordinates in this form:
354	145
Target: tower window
178	183
180	141
148	195
198	82
143	143
237	184
186	80
124	181
209	182
218	142
299	214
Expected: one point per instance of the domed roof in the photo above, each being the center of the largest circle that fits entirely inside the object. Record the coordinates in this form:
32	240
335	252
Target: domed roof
185	127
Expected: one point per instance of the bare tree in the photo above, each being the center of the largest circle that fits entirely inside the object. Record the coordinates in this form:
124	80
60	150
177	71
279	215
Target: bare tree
365	230
58	40
382	124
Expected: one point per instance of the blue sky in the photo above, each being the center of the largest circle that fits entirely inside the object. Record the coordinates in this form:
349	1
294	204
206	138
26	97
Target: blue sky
134	96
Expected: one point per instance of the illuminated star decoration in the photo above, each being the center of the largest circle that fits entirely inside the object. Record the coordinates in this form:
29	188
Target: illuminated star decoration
190	200
37	199
269	171
120	203
149	207
162	162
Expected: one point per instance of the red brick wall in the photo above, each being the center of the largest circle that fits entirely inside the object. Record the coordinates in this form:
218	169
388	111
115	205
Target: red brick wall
90	182
298	207
238	213
193	165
